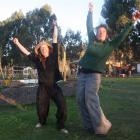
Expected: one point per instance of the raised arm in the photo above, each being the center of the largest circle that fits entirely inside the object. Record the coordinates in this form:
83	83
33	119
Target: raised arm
21	47
55	40
122	36
55	34
89	23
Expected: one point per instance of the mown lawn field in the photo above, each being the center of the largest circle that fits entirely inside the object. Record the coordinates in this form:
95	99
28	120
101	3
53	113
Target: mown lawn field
120	100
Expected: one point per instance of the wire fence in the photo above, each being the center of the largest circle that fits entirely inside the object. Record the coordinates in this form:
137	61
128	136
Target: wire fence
22	73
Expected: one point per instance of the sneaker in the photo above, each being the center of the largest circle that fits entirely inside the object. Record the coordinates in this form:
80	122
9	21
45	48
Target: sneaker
38	125
64	130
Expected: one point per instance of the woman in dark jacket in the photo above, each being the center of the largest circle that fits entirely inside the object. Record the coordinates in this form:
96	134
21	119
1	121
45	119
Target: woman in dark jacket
45	58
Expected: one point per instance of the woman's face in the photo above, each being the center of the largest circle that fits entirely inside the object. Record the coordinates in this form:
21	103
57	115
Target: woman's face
101	34
44	49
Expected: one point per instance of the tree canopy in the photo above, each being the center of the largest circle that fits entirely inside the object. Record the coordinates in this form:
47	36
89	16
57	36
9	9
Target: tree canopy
30	29
117	14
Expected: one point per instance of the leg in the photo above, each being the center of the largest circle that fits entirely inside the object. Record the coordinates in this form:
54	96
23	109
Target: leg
43	101
81	101
105	125
59	100
99	122
92	99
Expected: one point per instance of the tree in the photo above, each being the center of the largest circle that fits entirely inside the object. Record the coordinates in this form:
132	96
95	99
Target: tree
8	27
135	42
30	29
117	14
72	43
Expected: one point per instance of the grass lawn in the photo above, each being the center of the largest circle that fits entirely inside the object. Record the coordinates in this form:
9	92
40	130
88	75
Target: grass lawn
120	100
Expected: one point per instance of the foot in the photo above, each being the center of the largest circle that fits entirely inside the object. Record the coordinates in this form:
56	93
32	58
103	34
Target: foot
64	130
103	129
38	125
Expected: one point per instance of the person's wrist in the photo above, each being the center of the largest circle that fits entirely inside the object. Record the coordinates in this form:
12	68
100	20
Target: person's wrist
17	43
90	10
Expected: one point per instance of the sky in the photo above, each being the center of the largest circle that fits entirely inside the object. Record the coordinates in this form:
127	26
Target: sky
71	14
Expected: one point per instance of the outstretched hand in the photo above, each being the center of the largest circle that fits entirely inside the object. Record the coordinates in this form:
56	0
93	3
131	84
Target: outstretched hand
53	20
90	6
136	16
15	41
20	46
52	24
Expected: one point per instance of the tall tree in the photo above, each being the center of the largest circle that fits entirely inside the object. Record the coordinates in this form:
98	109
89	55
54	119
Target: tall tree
72	42
8	27
117	14
30	29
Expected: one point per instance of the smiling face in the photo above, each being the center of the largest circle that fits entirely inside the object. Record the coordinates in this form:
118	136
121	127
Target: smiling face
101	34
44	50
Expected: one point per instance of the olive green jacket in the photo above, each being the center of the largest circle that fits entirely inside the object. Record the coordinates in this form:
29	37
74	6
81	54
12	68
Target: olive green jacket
97	52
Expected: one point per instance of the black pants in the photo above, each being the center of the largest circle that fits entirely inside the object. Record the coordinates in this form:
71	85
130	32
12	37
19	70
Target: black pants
44	94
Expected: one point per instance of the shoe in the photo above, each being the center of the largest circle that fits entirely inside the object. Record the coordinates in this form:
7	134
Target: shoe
64	130
38	125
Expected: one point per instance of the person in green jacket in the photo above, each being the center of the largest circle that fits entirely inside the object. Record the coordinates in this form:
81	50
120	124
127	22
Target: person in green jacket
91	66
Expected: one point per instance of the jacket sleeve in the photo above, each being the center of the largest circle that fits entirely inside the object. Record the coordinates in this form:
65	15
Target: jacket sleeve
89	24
55	51
32	57
58	76
122	36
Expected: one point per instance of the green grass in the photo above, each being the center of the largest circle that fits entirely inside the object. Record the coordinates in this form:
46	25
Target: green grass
120	100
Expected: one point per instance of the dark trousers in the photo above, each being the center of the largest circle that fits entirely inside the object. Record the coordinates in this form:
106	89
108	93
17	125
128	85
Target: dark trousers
44	94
